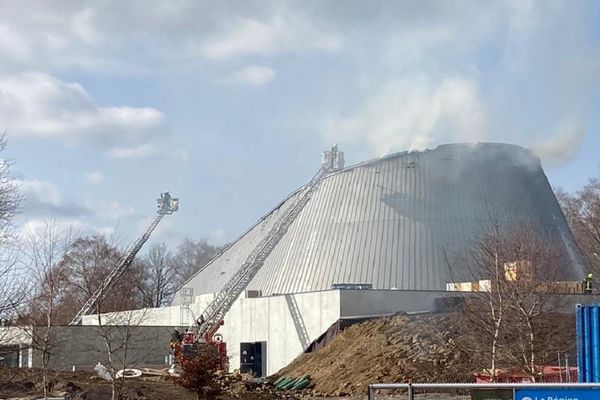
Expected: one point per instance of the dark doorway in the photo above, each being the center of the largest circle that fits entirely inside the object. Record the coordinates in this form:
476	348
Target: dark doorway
9	357
253	357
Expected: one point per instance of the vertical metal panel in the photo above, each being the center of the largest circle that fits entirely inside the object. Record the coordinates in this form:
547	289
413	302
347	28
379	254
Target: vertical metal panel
595	339
580	343
587	324
588	343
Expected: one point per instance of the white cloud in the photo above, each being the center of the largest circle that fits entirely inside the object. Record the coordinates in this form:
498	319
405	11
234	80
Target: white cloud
66	226
147	150
142	151
412	114
254	75
219	235
110	35
39	191
286	30
38	105
108	209
94	177
45	200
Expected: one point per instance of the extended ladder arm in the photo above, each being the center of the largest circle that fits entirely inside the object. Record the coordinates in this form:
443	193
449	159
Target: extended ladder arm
167	205
213	315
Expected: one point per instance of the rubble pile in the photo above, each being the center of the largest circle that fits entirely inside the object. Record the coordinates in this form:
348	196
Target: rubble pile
243	386
401	348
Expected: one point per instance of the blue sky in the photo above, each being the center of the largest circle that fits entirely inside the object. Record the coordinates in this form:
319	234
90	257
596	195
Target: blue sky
229	104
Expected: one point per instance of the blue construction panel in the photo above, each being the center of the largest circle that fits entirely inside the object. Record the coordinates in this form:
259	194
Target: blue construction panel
580	343
588	342
552	394
595	339
587	326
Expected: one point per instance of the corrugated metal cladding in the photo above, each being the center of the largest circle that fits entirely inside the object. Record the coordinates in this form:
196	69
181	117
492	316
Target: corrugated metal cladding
391	221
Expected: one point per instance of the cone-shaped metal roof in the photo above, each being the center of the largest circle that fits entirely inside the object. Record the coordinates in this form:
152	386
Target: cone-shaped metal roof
390	221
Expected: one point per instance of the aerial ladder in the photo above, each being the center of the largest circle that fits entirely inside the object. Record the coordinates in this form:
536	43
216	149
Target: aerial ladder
167	205
211	319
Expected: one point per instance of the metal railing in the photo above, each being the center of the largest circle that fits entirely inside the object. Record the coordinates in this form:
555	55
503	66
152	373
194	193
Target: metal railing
411	388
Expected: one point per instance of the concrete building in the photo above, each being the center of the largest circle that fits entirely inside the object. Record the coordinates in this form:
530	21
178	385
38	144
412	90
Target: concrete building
373	239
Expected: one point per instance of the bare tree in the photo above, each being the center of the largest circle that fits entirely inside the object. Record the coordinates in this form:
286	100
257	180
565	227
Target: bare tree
12	292
191	256
159	276
117	331
43	251
534	280
88	261
484	313
10	199
505	318
582	211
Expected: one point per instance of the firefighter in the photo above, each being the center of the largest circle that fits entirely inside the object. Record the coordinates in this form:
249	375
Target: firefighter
588	282
176	343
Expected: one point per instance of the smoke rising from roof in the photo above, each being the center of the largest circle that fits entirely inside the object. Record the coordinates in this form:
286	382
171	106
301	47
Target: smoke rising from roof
563	146
414	113
496	73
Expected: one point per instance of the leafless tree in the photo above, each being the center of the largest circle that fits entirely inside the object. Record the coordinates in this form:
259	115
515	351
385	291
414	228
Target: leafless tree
12	292
118	331
535	284
43	251
88	261
504	319
191	256
158	285
10	199
484	313
582	211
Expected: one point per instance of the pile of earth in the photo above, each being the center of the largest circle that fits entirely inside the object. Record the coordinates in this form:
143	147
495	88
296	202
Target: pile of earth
401	348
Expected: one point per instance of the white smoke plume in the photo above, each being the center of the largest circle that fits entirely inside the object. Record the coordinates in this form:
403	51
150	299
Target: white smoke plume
413	114
563	146
485	72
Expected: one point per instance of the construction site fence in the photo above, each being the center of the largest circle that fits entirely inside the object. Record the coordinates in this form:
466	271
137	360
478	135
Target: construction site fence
485	391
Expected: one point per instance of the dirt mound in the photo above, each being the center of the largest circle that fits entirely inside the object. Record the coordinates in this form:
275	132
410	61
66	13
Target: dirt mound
401	348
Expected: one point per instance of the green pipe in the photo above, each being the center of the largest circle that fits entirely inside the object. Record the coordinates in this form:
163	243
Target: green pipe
291	384
302	384
284	382
281	378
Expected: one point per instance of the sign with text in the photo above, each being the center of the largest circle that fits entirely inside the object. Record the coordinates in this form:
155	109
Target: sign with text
557	394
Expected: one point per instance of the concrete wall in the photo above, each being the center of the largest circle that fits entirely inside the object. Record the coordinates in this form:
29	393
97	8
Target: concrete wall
361	303
260	319
270	320
84	346
287	323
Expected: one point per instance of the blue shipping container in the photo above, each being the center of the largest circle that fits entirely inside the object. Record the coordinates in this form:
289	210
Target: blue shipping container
588	342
